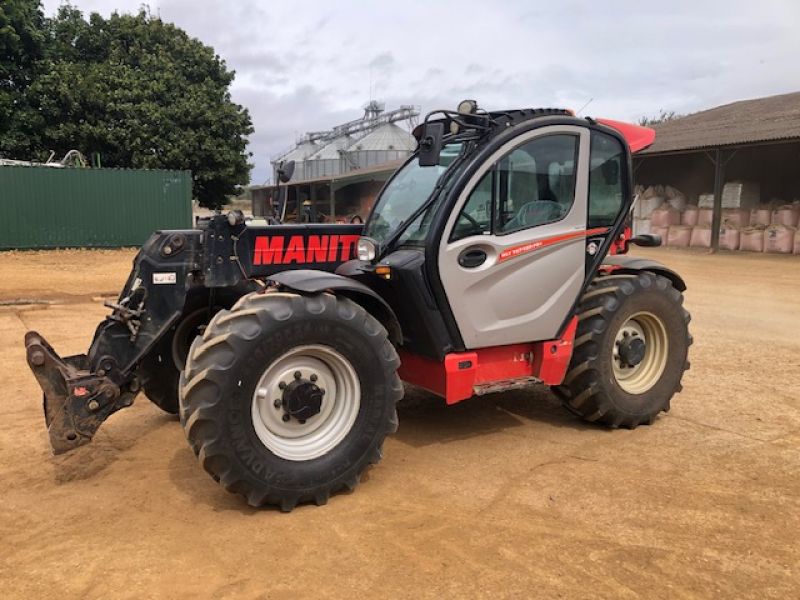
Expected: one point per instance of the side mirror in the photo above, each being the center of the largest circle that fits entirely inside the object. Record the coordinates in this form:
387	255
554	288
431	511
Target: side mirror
285	171
647	240
430	144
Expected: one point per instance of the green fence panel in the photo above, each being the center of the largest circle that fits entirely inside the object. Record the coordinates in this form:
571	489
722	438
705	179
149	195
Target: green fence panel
47	207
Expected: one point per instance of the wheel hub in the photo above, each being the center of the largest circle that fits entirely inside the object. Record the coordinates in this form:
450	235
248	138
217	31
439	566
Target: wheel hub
305	402
639	353
632	351
302	398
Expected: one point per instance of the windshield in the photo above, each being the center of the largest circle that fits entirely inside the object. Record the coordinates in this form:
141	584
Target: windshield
407	191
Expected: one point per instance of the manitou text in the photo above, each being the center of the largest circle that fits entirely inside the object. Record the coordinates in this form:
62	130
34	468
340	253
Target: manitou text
298	249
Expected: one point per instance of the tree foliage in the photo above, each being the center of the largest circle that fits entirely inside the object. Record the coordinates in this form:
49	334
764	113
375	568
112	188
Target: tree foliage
22	44
142	94
662	117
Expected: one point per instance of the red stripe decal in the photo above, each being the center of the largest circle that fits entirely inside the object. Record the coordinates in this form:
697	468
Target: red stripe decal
538	244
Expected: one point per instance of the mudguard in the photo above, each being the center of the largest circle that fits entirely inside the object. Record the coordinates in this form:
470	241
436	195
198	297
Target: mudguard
309	281
622	262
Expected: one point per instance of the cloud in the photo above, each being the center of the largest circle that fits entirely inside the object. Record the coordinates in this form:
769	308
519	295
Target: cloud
310	67
384	60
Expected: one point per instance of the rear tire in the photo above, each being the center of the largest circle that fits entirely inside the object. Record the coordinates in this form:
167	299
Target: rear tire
234	397
630	351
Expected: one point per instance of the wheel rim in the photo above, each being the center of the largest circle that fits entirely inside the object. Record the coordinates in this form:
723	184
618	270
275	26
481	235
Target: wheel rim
642	340
279	390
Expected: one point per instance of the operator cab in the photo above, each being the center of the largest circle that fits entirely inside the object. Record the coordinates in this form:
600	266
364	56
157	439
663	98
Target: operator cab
495	225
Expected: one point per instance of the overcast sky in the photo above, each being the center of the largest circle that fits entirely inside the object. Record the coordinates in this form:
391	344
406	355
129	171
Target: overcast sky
310	65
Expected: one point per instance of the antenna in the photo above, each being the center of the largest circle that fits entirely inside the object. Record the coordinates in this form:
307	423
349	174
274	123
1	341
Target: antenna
370	83
584	106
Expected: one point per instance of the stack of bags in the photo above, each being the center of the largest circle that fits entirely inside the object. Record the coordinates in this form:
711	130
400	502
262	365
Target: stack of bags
746	224
772	229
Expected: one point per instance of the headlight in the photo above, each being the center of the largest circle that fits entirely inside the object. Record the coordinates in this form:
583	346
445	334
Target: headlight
366	249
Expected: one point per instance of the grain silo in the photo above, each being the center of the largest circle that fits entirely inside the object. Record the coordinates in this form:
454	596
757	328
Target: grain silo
339	172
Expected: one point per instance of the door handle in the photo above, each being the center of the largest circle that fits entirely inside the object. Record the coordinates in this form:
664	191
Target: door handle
471	258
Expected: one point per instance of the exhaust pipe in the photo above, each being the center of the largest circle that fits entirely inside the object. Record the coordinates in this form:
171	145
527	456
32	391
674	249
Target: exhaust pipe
76	400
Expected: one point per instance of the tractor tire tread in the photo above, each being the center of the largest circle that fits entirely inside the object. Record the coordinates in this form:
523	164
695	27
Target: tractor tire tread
202	385
585	390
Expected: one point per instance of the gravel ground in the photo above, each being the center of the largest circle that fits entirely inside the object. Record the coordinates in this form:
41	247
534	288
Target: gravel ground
506	495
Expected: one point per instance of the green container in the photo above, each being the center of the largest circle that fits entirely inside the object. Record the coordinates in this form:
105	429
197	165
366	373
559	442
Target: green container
48	207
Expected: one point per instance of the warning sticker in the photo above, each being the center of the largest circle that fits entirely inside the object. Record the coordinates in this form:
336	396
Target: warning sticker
164	278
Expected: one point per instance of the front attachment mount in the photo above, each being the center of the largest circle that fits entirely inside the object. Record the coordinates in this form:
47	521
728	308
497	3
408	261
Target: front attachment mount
76	400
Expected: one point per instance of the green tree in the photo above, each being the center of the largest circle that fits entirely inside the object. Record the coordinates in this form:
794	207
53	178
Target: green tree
662	117
22	45
143	94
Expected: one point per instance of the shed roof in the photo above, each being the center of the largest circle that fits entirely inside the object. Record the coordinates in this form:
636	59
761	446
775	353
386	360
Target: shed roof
775	118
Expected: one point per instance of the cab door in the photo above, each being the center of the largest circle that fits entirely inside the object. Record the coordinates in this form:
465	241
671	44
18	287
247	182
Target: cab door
513	252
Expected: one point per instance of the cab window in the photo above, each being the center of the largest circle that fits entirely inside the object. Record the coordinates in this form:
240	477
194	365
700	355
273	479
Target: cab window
476	216
605	179
532	185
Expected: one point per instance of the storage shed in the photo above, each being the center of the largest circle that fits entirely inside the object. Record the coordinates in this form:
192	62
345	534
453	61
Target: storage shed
343	198
755	143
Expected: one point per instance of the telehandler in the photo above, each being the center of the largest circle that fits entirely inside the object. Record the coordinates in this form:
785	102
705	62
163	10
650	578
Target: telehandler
494	258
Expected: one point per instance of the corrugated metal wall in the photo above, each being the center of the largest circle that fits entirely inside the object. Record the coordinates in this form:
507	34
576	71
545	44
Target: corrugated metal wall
45	207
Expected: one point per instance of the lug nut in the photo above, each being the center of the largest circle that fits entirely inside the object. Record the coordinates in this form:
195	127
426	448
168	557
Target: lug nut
277	403
286	417
282	385
313	377
321	391
302	421
93	405
297	374
37	358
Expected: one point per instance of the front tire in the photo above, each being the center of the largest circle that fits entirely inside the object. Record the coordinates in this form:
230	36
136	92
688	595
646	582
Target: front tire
630	352
288	398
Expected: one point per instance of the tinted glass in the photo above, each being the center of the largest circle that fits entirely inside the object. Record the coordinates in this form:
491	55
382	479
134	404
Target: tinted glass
536	183
407	191
476	216
605	179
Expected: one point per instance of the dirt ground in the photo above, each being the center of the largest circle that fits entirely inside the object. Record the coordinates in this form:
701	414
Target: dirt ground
501	496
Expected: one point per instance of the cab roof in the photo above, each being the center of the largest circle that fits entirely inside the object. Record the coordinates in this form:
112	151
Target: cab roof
636	136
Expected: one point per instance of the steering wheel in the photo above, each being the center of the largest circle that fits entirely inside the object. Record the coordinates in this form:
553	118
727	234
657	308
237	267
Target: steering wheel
539	212
469	218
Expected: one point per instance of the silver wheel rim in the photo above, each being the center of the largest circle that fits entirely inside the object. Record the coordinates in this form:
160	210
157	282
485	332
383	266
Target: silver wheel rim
642	377
319	434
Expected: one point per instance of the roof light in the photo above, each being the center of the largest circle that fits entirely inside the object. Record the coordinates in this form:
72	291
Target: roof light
467	107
